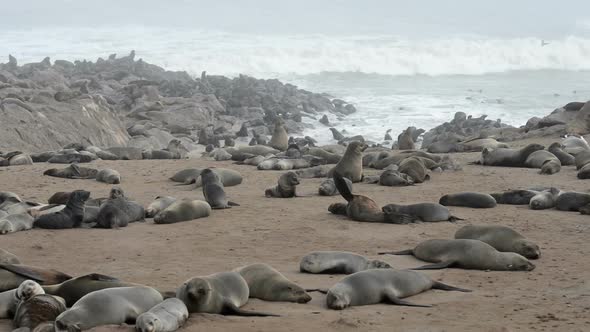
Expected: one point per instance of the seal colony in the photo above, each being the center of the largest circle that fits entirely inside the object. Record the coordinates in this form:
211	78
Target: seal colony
415	187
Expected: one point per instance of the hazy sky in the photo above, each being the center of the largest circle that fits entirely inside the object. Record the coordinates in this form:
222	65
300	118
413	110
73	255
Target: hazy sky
538	18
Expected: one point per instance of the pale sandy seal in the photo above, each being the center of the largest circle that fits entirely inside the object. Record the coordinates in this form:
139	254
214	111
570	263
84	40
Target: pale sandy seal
184	175
468	199
382	286
392	178
426	212
268	284
109	176
38	309
508	157
478	144
466	254
338	262
220	293
16	223
279	139
160	203
351	164
502	238
27	289
118	211
286	187
112	306
288	164
12	275
70	217
415	168
545	160
213	190
167	316
8	257
545	199
572	201
328	187
183	210
565	158
363	208
126	153
267	164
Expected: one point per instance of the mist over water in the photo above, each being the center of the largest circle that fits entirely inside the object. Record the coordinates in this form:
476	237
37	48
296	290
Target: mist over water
401	63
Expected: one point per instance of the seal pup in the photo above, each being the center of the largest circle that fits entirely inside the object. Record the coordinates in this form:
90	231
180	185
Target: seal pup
279	139
13	275
508	157
213	191
160	203
545	199
38	309
465	254
545	160
7	257
363	208
351	164
286	187
382	286
183	210
502	238
16	223
514	197
220	293
572	201
468	199
109	176
167	316
338	262
268	284
328	187
392	178
426	212
111	306
70	217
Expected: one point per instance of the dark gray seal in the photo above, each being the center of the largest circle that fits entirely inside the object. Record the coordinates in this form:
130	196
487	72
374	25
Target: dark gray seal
37	310
213	190
338	262
71	216
167	316
468	199
13	275
508	157
502	238
393	178
514	197
118	211
72	172
572	201
328	187
425	212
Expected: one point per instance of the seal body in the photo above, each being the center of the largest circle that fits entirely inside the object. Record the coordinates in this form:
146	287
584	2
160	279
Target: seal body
38	309
545	160
286	187
159	204
167	316
108	306
508	157
502	238
213	190
13	275
16	223
268	284
469	199
414	168
379	286
572	201
338	262
514	197
8	303
565	158
228	177
393	178
545	199
183	210
7	257
427	212
72	172
328	187
351	164
109	176
186	174
70	217
118	211
279	139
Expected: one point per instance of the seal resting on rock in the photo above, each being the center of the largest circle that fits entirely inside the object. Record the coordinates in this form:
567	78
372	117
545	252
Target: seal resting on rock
286	187
502	238
338	262
266	283
70	217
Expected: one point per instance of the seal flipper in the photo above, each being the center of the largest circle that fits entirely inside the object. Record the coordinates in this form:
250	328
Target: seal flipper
454	219
231	309
342	187
23	271
440	285
389	295
403	252
437	266
230	203
319	290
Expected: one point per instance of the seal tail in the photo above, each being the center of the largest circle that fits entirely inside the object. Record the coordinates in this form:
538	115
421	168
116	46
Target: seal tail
342	187
440	285
403	252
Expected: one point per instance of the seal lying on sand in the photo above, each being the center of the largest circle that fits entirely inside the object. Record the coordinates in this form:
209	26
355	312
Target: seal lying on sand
338	262
109	176
502	238
220	293
382	286
16	223
118	211
426	212
167	316
514	197
8	257
70	217
469	199
545	160
72	172
465	254
12	275
183	210
572	201
286	188
508	157
268	284
37	310
393	178
328	187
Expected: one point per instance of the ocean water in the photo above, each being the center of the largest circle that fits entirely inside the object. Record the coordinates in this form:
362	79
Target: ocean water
394	81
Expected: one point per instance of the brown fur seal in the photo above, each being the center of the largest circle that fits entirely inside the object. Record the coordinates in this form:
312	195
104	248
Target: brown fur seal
167	316
338	262
351	164
268	284
70	217
220	293
213	190
184	175
8	257
118	211
415	169
286	188
502	238
37	310
279	139
72	172
405	140
508	157
159	204
12	275
110	306
16	223
426	212
382	286
466	254
183	210
109	176
468	199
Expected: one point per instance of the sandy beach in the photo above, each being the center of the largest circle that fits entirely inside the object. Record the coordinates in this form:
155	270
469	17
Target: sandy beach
553	297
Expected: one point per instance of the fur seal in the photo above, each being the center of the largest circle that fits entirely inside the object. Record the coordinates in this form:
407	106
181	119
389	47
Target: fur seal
72	172
8	257
184	175
118	211
545	199
328	187
565	158
468	199
109	176
514	197
466	254
582	159
502	238
27	289
478	144
363	208
16	223
382	286
426	212
414	168
220	293
508	157
66	157
351	164
60	197
393	178
228	177
286	187
70	217
38	309
167	316
572	201
314	172
288	164
329	157
8	303
213	190
12	275
545	160
405	140
338	209
338	262
279	139
183	210
159	204
266	283
107	307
